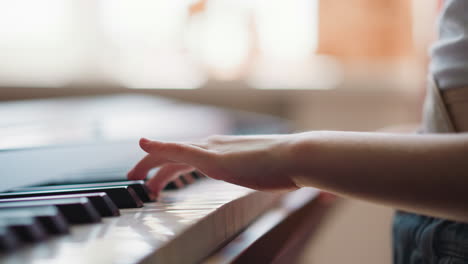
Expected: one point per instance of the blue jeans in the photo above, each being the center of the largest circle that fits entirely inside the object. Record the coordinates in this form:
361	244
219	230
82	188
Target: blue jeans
420	239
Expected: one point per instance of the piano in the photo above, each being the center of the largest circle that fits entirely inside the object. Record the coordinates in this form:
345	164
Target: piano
64	197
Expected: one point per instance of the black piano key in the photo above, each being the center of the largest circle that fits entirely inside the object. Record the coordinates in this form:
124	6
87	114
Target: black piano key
143	192
122	196
197	175
8	239
101	201
138	186
27	229
75	210
170	186
184	180
49	216
174	185
188	178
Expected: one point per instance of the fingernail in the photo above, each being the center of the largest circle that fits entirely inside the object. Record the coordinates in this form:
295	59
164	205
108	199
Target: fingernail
144	144
144	140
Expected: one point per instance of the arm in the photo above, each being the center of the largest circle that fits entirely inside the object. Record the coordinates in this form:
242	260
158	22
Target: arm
426	174
418	173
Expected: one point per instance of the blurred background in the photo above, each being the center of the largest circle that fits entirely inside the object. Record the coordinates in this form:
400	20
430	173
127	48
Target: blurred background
337	64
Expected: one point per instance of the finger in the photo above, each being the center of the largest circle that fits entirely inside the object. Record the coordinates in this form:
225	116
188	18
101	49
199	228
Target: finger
178	152
165	175
141	169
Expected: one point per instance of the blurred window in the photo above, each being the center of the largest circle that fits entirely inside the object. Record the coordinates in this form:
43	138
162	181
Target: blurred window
154	43
182	44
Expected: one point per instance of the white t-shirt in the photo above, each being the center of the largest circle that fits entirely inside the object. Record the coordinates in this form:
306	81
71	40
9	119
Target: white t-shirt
449	62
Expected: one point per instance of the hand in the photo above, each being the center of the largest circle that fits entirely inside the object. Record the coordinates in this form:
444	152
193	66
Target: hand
257	162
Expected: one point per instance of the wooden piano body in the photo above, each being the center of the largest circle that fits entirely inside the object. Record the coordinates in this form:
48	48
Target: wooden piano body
207	220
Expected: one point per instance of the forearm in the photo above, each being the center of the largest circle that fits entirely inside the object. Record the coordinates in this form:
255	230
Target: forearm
421	173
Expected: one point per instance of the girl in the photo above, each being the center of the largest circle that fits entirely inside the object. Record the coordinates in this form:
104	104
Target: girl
424	175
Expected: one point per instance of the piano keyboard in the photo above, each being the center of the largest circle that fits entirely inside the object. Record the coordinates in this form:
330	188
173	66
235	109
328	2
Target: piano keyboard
74	214
119	222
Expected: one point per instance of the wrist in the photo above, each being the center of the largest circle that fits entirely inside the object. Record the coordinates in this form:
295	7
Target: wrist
301	157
